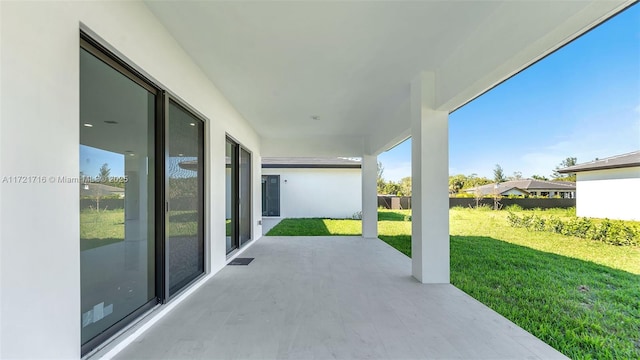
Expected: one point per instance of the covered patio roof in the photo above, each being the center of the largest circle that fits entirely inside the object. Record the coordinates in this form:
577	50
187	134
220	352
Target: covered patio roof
333	78
331	298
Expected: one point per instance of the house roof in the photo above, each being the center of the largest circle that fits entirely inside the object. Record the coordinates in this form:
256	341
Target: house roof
526	185
614	162
311	162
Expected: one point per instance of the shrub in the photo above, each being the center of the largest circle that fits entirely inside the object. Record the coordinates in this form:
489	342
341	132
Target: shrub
610	232
538	223
555	225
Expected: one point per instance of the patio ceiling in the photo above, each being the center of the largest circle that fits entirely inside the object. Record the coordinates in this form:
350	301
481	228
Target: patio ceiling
281	64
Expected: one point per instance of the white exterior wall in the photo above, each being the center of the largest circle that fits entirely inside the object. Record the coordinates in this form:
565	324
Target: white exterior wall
332	193
39	135
612	193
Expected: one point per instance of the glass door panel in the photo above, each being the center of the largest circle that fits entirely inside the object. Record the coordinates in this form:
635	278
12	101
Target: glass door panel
231	171
185	173
117	186
245	196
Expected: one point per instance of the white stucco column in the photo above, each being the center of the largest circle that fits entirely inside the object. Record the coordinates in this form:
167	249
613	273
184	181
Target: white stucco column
430	173
369	196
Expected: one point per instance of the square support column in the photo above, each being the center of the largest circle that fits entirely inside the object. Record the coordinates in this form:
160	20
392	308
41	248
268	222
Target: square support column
430	189
369	196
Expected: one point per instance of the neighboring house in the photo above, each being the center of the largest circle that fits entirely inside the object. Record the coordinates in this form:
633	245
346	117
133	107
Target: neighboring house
527	187
311	187
608	188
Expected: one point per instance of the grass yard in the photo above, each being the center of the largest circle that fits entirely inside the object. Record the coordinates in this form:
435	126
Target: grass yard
580	296
100	228
316	227
107	226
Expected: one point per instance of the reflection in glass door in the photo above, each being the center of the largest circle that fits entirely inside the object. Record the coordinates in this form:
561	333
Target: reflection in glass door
184	168
117	187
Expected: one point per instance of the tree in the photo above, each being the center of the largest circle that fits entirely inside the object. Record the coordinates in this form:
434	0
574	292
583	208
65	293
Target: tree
474	181
104	173
539	177
380	180
456	183
498	174
570	161
517	175
405	186
390	188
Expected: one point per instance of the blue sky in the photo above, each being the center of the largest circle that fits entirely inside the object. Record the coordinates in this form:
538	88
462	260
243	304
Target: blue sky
581	101
91	159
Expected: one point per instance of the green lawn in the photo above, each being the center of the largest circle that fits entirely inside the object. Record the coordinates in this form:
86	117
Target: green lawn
100	228
580	296
107	226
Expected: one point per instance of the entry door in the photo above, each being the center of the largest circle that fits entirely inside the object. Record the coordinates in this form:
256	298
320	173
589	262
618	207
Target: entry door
270	195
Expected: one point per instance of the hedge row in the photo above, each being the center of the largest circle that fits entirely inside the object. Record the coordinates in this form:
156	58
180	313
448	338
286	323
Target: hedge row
607	231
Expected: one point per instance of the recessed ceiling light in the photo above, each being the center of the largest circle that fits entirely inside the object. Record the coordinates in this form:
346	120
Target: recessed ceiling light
88	125
180	154
315	117
110	122
192	124
132	154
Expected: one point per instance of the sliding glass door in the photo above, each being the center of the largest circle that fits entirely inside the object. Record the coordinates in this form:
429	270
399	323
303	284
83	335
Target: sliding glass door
244	197
141	187
238	195
117	186
231	184
185	187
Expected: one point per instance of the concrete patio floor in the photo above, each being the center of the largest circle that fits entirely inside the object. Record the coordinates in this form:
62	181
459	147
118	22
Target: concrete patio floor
331	298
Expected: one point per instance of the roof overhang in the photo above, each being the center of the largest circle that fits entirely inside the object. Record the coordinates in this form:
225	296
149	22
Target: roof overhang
629	160
333	78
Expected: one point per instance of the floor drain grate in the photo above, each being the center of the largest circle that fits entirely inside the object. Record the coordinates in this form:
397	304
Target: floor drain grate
241	261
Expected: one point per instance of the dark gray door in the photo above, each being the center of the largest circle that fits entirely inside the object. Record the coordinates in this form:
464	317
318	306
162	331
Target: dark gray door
270	195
